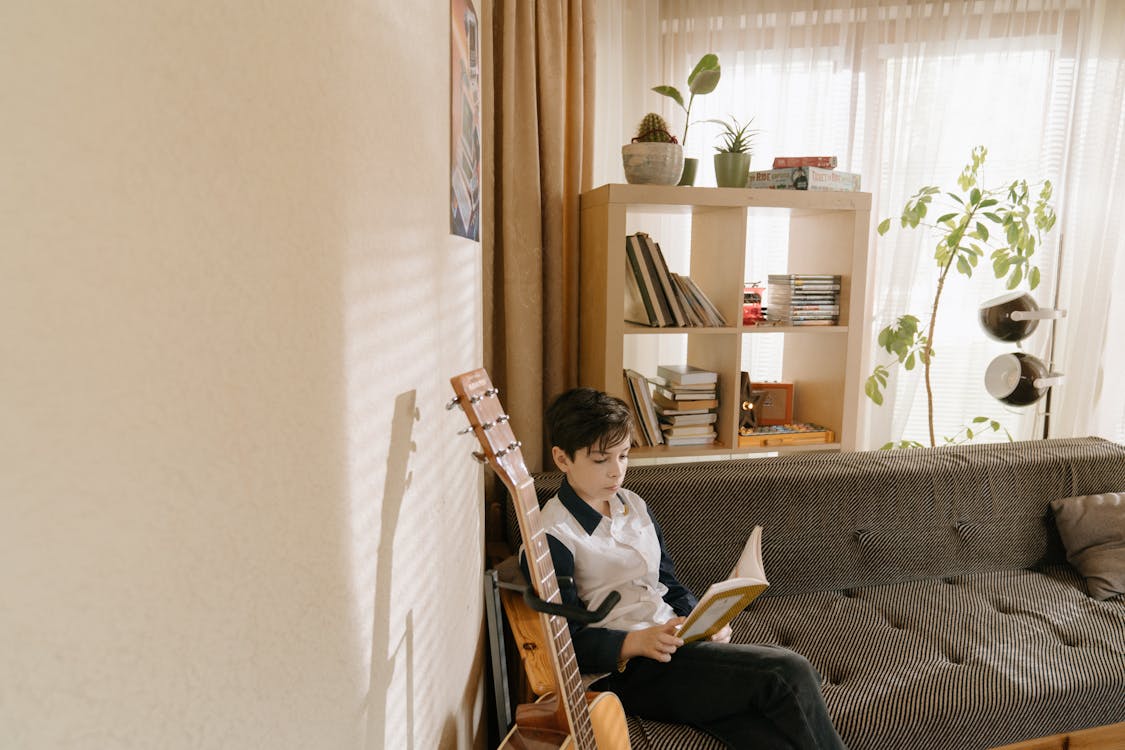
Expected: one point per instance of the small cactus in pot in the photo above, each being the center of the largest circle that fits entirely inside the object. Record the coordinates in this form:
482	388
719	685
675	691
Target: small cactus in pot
653	129
654	157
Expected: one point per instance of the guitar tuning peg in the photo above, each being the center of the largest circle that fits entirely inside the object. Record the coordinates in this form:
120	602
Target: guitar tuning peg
455	401
465	431
480	457
493	391
487	425
514	444
476	398
502	418
502	452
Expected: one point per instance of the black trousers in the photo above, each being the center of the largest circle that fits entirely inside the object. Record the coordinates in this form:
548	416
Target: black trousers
750	697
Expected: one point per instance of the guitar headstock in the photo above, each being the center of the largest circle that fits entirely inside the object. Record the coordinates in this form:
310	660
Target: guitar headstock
481	403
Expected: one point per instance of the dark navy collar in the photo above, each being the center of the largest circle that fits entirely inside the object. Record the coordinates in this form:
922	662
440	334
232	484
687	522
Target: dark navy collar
586	516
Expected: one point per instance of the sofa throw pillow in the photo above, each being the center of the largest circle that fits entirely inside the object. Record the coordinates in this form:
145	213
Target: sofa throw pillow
1092	528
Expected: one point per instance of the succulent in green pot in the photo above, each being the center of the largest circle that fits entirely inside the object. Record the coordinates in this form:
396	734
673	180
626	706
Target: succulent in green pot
732	157
653	157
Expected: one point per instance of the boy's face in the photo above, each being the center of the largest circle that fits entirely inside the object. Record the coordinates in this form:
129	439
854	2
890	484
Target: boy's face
594	474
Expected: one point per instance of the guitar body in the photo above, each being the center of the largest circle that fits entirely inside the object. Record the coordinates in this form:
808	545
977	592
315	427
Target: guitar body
533	730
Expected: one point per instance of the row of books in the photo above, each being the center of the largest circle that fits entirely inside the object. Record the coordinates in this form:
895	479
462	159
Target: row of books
654	296
801	299
804	173
678	407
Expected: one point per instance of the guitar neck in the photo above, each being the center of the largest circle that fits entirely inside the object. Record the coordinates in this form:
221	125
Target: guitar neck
541	569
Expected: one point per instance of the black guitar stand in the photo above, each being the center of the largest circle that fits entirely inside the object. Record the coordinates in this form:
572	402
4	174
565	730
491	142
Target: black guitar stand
569	611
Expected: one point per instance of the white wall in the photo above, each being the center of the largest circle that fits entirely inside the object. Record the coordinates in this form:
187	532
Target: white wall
234	513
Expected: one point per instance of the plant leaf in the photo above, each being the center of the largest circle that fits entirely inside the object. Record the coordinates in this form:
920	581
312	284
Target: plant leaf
884	225
671	92
1016	277
705	76
871	388
705	82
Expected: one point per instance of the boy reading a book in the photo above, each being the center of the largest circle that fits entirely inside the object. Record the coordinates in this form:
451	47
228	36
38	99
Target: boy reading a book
605	538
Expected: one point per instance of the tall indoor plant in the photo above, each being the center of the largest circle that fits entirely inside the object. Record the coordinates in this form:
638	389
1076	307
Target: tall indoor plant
702	80
1007	222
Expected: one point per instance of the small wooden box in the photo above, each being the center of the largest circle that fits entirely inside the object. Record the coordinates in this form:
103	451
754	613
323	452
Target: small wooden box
800	435
776	404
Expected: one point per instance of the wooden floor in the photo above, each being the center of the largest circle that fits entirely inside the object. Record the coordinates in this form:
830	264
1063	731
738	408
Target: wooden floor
1109	737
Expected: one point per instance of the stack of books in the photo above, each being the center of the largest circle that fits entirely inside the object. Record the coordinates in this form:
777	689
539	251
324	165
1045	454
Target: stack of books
654	296
801	299
686	403
804	173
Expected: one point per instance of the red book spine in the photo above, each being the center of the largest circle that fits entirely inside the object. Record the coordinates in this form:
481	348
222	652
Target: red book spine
785	162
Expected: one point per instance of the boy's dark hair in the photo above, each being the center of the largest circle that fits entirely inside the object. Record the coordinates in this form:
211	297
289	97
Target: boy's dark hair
587	418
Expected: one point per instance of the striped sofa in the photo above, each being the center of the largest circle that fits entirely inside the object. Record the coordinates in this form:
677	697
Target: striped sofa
929	587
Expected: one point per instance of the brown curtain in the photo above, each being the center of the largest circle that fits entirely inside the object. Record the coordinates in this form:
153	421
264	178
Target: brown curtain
538	139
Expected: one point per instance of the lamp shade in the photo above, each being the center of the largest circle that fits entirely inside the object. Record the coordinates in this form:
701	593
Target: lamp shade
1013	316
1019	379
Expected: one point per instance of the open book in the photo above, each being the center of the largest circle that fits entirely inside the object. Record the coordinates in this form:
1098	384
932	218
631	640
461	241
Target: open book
725	599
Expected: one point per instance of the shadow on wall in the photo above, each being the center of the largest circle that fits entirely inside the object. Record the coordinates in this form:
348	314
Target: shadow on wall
383	655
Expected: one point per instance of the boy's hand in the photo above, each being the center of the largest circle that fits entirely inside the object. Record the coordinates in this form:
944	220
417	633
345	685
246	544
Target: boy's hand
723	636
658	642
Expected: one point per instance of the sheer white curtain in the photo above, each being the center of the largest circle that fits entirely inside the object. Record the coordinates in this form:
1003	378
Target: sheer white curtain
901	92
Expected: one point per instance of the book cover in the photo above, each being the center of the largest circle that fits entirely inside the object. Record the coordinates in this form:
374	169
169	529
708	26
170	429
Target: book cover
640	277
686	374
724	600
787	162
678	410
803	278
695	316
690	439
669	403
643	398
682	388
648	263
666	282
677	420
688	430
804	178
713	313
636	311
684	395
700	311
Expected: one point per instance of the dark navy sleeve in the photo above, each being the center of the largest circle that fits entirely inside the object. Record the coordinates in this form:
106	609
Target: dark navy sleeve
678	597
597	649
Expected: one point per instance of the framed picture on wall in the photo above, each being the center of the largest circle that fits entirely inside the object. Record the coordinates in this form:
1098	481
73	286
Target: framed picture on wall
464	121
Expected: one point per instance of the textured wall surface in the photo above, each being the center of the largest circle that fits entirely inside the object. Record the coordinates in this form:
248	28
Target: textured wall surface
234	513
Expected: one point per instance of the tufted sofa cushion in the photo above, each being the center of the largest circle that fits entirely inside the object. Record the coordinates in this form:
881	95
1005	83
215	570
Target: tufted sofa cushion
929	587
842	520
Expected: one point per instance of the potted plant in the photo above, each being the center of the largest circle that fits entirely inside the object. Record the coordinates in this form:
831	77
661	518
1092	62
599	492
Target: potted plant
703	80
732	157
1004	224
653	157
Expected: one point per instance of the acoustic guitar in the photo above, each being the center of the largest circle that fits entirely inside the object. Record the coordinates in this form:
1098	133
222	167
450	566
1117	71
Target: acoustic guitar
568	717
